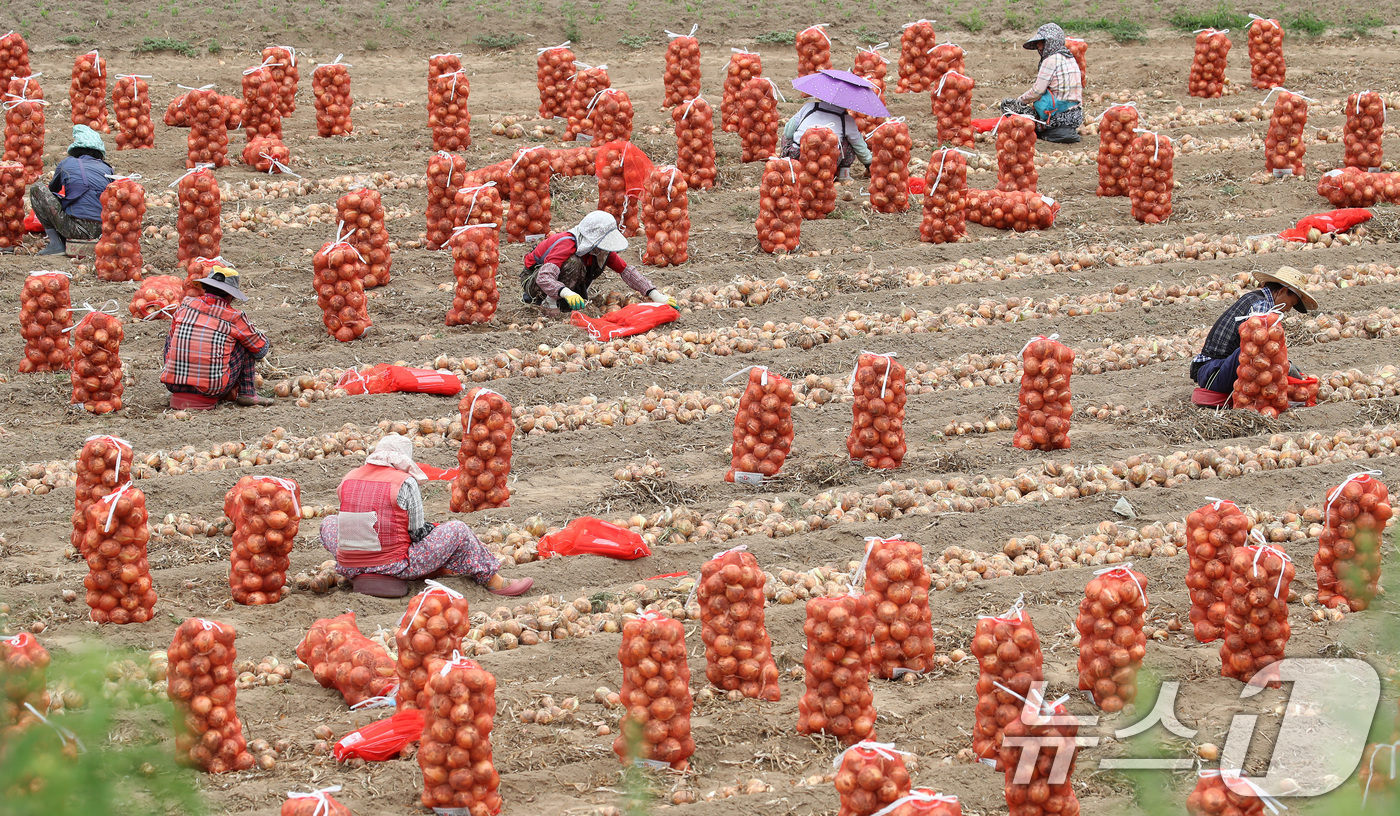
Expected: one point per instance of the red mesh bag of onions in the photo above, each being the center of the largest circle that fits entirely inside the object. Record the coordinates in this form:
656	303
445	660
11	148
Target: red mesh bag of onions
208	733
622	173
362	211
14	57
282	60
1018	210
197	222
952	106
1008	653
611	114
1044	410
1207	77
915	66
23	676
443	169
1080	49
1373	778
1284	144
944	59
475	258
1348	559
655	693
1111	641
97	362
891	148
198	268
1227	793
316	803
208	119
945	197
779	222
330	84
896	585
268	517
157	297
813	50
1151	177
1116	128
1039	782
1353	187
744	65
454	753
530	199
484	457
583	87
45	313
877	426
682	76
838	700
88	91
872	65
816	176
478	204
433	626
118	582
923	802
131	101
870	777
1261	380
12	229
439	64
1266	66
738	652
118	251
24	131
666	217
1015	140
553	67
342	658
262	97
1361	136
762	426
1256	627
695	142
758	119
448	114
104	464
1212	534
338	274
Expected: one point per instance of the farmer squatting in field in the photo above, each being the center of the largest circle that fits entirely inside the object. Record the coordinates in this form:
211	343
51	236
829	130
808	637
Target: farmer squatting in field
70	206
212	346
1214	368
559	270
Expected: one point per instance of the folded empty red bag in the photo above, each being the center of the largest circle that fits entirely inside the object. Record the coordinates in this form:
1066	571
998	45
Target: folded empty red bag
590	536
985	125
31	223
438	474
625	322
382	739
386	379
1334	221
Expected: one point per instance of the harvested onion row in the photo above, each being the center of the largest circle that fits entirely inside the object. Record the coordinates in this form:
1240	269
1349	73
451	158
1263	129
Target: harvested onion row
484	456
268	516
583	87
1365	124
779	222
945	202
738	651
1151	177
1256	627
330	84
891	148
554	66
762	427
104	464
744	65
88	91
198	221
131	101
1207	78
666	217
695	142
443	169
1266	66
118	251
1007	649
1348	559
475	258
897	585
97	363
1284	146
44	317
1111	641
915	67
838	700
1116	128
1213	533
531	202
952	105
338	276
816	178
1261	380
870	777
362	211
448	114
1043	412
758	119
208	733
611	113
655	693
682	76
432	628
459	775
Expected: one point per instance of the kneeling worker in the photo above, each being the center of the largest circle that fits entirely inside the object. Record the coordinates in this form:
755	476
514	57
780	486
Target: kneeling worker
212	347
560	269
1214	368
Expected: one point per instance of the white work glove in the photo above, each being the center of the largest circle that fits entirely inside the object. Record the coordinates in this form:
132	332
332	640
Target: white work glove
571	297
658	296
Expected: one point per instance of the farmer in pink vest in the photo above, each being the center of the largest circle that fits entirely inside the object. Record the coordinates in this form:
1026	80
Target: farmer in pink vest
381	541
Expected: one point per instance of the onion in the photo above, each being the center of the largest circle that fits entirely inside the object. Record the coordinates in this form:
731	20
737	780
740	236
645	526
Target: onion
877	428
952	105
611	116
666	217
362	212
1116	128
738	651
758	120
891	148
198	220
1212	534
1256	627
1151	177
554	67
331	86
431	629
897	585
695	142
1044	410
583	87
282	62
201	682
1207	78
1080	49
655	692
1261	382
743	66
131	101
338	275
915	65
762	426
1008	653
267	515
262	105
531	204
118	583
816	176
681	78
1361	136
1047	730
23	668
945	198
454	752
484	456
341	658
97	365
1348	559
838	700
1266	67
1111	642
869	778
448	113
155	295
1284	145
475	258
1020	210
445	175
88	91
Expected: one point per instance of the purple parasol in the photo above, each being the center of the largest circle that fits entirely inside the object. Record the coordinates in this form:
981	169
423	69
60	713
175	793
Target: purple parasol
843	89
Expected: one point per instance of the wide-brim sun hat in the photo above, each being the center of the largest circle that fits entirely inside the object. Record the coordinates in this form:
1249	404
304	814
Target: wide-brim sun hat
225	279
598	230
1294	281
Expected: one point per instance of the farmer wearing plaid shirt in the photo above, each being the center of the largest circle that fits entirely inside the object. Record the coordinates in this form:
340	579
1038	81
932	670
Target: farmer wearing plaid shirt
1057	97
1214	368
211	347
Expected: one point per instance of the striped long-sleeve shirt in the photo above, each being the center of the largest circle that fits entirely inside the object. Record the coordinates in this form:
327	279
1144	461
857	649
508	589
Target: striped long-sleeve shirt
1059	74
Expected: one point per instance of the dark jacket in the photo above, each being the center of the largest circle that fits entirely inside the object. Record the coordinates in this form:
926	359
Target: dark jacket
82	180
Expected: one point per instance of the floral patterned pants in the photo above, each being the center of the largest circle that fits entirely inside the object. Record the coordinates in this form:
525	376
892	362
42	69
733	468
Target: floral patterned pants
451	546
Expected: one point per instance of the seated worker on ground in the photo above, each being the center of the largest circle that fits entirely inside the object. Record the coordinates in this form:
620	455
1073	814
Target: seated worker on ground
70	206
1214	368
381	541
824	114
1057	97
560	269
212	347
